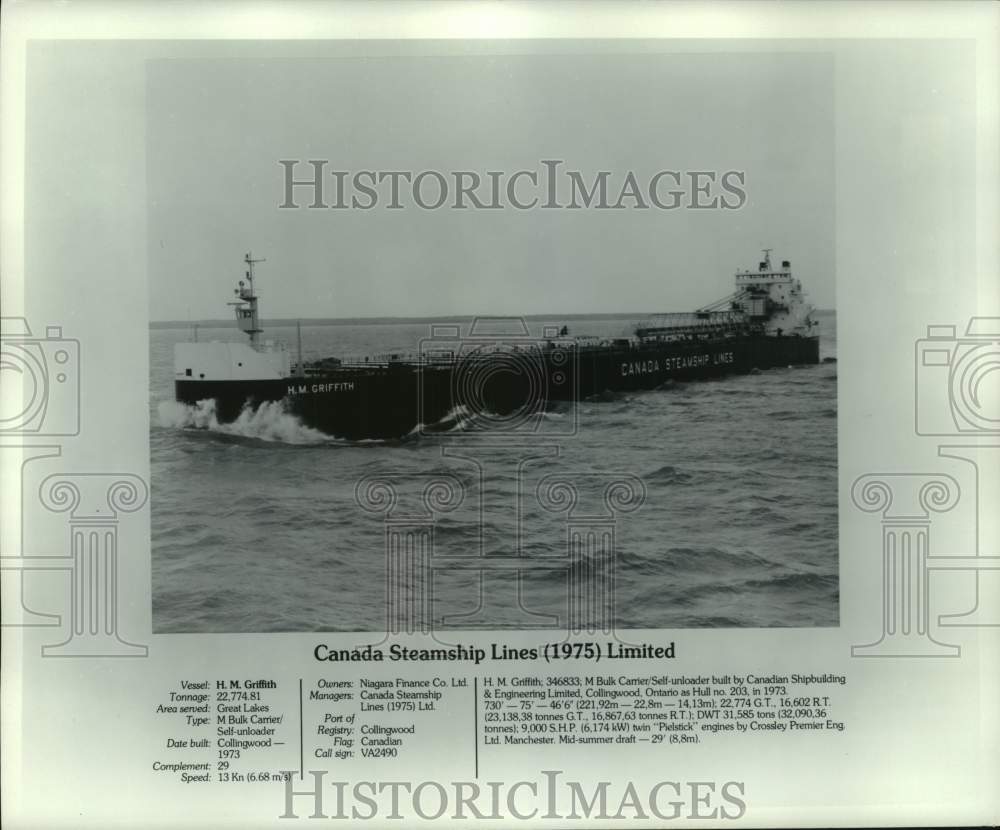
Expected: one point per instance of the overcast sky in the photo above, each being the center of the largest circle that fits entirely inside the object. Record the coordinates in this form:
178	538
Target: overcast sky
217	128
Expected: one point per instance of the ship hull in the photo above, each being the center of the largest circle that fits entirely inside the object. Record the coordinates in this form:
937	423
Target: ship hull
391	401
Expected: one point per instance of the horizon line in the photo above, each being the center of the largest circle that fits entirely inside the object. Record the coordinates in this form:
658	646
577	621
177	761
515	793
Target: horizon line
220	322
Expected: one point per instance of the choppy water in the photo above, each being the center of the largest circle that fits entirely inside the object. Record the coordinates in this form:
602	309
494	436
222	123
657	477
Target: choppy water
256	526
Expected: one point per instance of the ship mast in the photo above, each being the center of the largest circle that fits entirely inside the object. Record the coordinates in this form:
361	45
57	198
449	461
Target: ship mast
246	306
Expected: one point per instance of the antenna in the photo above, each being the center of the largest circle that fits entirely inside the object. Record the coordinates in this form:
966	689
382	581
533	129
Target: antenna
250	261
767	257
246	304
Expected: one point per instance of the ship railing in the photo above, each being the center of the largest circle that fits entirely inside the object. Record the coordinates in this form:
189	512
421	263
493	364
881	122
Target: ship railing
763	276
737	324
686	323
446	357
675	336
727	303
699	318
384	360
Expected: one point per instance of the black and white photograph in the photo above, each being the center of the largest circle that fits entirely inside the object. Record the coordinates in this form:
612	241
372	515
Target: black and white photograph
492	336
499	414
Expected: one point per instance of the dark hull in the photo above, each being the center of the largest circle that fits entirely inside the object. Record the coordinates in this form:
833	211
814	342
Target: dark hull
391	401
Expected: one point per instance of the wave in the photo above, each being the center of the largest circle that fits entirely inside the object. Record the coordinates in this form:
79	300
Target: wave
718	621
698	559
460	419
606	396
267	422
800	414
796	579
456	418
668	474
786	415
709	558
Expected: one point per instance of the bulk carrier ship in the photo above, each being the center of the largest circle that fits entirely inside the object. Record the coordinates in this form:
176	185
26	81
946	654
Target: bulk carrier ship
497	368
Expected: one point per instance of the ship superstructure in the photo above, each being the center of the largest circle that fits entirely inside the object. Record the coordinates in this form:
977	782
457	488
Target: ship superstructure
765	322
219	362
768	301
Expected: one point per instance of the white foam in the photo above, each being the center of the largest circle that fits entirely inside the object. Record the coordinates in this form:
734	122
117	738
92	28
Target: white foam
176	415
456	413
267	422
